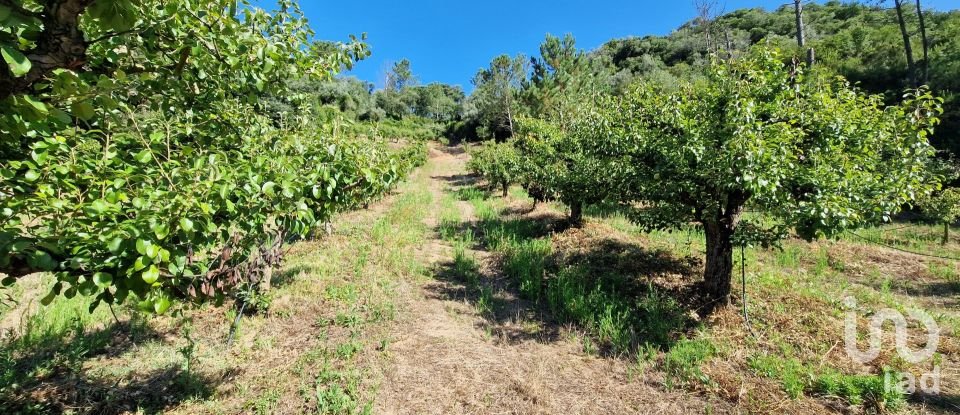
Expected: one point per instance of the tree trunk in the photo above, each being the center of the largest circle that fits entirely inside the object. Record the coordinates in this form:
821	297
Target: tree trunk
267	279
946	233
801	31
719	229
925	78
576	214
798	11
506	188
719	268
908	49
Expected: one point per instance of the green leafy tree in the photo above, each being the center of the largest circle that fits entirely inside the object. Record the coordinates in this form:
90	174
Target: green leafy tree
560	76
495	95
559	165
498	163
400	76
943	207
438	101
807	150
138	157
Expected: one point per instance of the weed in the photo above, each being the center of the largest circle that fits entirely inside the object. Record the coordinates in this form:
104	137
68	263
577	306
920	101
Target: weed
793	376
525	263
349	349
681	363
343	292
188	351
266	403
858	390
662	317
338	392
348	320
485	300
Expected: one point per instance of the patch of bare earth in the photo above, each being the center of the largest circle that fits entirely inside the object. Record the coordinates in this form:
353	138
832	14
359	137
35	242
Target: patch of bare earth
447	359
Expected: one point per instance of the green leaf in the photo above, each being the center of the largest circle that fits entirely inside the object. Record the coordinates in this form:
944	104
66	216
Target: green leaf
102	279
142	245
99	206
161	304
47	299
141	263
151	275
153	251
18	63
120	296
268	188
37	105
144	156
31	175
186	225
43	261
160	230
83	110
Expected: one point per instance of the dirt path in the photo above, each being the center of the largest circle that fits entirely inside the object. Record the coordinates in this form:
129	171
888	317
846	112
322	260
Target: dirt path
446	360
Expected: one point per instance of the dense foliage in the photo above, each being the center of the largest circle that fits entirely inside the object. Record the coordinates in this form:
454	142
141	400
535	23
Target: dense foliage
138	157
498	163
808	150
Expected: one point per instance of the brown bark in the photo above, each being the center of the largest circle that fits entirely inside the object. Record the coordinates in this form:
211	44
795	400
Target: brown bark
719	267
719	230
506	188
61	45
576	214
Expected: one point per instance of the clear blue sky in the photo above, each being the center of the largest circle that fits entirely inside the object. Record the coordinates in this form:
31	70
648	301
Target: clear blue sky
448	41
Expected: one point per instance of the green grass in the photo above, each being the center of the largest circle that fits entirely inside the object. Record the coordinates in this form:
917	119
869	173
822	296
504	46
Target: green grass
798	379
612	321
682	362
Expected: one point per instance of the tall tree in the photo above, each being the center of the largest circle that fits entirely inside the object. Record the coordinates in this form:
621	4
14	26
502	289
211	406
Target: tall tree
801	31
560	76
494	96
400	76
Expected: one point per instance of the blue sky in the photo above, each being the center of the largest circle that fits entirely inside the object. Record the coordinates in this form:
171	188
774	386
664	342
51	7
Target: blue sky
448	41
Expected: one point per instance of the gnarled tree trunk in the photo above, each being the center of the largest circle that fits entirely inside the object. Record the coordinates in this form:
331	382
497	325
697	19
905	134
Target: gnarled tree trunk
719	229
719	268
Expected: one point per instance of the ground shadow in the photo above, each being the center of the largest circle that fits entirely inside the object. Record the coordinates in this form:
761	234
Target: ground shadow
45	373
625	295
937	403
453	149
459	180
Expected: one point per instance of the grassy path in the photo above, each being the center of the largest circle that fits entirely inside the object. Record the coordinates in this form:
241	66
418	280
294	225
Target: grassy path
465	343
